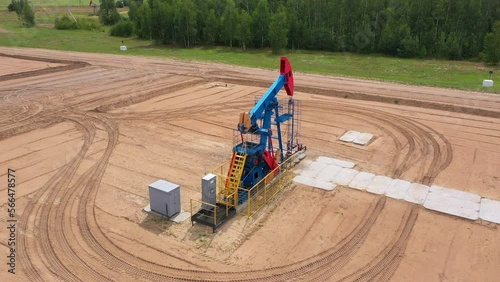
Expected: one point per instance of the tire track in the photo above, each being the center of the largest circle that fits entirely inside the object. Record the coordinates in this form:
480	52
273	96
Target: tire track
35	204
416	134
62	247
379	267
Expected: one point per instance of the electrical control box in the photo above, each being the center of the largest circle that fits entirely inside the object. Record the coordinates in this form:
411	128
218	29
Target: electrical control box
208	190
165	198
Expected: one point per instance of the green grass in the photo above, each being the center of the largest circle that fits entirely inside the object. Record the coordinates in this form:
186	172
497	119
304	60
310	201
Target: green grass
61	3
452	74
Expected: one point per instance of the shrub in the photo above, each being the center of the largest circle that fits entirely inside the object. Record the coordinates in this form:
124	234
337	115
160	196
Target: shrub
88	24
123	28
28	16
14	6
66	23
24	12
119	4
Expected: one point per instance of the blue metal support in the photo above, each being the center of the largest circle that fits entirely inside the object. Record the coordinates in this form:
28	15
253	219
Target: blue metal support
267	99
259	120
278	127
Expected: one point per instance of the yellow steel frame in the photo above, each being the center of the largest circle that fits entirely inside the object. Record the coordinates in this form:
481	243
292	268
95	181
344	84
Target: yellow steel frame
266	189
213	212
260	194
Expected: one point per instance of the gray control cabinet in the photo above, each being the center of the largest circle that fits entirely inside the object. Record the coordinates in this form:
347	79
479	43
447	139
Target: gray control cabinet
165	197
208	190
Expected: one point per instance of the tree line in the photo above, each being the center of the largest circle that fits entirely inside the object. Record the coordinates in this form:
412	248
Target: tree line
452	29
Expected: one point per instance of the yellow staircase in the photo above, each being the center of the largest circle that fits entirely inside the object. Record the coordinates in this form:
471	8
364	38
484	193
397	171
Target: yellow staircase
233	179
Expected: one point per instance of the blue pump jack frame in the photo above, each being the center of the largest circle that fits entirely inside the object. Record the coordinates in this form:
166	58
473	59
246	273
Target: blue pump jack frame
264	110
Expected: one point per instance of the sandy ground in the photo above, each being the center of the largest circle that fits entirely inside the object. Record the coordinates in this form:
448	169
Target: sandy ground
12	65
87	138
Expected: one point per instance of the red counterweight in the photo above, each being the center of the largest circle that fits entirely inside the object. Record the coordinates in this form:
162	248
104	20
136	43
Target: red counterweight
286	69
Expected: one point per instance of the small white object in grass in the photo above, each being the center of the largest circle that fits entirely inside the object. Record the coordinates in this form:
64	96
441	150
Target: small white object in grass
123	48
487	83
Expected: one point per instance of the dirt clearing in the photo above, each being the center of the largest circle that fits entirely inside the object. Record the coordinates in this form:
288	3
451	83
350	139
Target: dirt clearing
86	140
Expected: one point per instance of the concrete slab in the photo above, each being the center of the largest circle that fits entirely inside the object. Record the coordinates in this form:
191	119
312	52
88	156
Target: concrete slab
450	205
379	184
397	189
362	180
337	162
345	176
306	163
350	136
490	210
314	182
178	218
417	193
363	139
455	193
300	167
313	169
328	173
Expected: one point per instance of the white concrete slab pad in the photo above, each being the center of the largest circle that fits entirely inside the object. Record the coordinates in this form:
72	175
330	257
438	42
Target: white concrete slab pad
362	180
456	193
450	205
303	164
306	163
178	218
397	189
337	162
345	176
314	182
417	193
350	136
328	173
363	139
490	210
379	184
313	169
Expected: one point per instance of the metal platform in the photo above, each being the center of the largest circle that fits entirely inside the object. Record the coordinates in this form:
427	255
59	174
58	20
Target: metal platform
206	216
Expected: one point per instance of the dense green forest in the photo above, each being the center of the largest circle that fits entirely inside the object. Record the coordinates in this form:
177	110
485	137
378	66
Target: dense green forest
451	29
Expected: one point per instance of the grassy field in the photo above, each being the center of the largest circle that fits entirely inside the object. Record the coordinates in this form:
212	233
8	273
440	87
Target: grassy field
52	3
452	74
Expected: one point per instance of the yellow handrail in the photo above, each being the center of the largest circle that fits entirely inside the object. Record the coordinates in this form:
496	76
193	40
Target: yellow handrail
212	205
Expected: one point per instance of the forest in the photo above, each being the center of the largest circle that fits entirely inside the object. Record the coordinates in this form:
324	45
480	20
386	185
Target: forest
449	29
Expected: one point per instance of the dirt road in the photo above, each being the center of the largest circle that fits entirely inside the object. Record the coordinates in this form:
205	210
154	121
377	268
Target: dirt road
86	133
